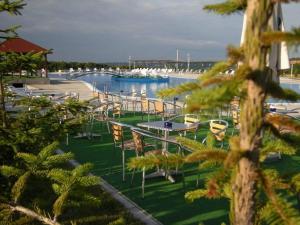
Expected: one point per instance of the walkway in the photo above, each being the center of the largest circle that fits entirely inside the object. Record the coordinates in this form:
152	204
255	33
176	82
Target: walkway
65	86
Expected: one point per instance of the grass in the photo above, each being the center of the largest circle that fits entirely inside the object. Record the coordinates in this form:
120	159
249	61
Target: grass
164	200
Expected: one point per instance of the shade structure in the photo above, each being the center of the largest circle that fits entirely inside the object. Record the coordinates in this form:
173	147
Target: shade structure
278	58
21	46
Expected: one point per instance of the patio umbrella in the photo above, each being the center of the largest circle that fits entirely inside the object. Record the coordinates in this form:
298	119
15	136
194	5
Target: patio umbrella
278	58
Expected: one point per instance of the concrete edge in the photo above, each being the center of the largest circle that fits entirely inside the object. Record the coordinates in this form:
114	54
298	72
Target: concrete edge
131	206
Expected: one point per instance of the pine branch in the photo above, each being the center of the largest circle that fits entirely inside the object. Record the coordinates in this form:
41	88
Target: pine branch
59	175
88	200
217	80
32	214
286	213
82	170
12	7
191	196
218	68
186	87
282	123
207	155
57	159
276	145
59	203
48	150
277	181
208	164
296	182
235	54
214	97
88	181
191	144
292	38
152	161
10	171
29	158
228	7
10	32
19	186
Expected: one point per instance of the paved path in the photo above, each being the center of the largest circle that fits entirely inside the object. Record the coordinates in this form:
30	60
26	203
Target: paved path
65	86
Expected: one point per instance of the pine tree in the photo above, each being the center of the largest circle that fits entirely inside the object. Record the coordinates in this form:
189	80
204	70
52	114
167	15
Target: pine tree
239	175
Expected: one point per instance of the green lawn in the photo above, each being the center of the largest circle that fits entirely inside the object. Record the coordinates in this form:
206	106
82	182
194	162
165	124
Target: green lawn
164	200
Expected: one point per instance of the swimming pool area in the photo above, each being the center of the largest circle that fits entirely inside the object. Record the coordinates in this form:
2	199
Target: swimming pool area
105	82
150	87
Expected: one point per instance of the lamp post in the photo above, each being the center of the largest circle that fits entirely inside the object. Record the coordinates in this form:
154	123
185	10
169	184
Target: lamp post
188	61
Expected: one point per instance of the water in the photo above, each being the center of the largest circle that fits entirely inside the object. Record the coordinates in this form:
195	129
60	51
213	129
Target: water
105	81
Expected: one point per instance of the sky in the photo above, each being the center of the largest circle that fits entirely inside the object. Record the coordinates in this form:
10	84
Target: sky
112	30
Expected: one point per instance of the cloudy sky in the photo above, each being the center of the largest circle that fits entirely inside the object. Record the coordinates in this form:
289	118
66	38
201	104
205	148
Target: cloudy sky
111	30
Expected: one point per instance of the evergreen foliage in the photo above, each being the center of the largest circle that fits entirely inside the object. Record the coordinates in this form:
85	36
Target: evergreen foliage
257	195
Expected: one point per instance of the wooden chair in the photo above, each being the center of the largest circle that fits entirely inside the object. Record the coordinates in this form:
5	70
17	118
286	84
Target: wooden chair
166	109
235	113
117	110
100	114
139	141
117	130
218	129
189	119
146	108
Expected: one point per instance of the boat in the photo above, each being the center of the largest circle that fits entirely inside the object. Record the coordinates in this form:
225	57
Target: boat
140	78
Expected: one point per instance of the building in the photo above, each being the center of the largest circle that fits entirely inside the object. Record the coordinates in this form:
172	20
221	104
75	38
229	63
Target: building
22	46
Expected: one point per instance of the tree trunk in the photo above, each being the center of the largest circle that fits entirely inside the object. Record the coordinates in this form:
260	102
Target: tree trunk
252	112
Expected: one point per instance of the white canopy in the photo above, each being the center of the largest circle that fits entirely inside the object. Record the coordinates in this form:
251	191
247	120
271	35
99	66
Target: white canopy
278	58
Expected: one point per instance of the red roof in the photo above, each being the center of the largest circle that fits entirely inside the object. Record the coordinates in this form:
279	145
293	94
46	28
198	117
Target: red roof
20	45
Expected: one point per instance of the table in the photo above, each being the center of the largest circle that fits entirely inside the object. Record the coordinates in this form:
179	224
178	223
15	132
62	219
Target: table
160	125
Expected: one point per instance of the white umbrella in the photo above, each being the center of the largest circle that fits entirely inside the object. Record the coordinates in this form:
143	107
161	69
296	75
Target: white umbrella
278	58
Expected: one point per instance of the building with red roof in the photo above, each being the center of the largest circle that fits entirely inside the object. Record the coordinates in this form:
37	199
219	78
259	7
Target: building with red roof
20	45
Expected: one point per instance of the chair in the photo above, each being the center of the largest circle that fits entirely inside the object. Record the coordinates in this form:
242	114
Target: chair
117	110
235	113
117	130
103	97
165	109
132	99
218	130
146	109
100	114
235	119
139	141
189	119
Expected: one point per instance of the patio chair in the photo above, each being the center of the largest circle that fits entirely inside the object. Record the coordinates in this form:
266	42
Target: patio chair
189	119
235	114
146	108
165	109
139	136
103	97
117	109
100	114
218	129
117	130
132	100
